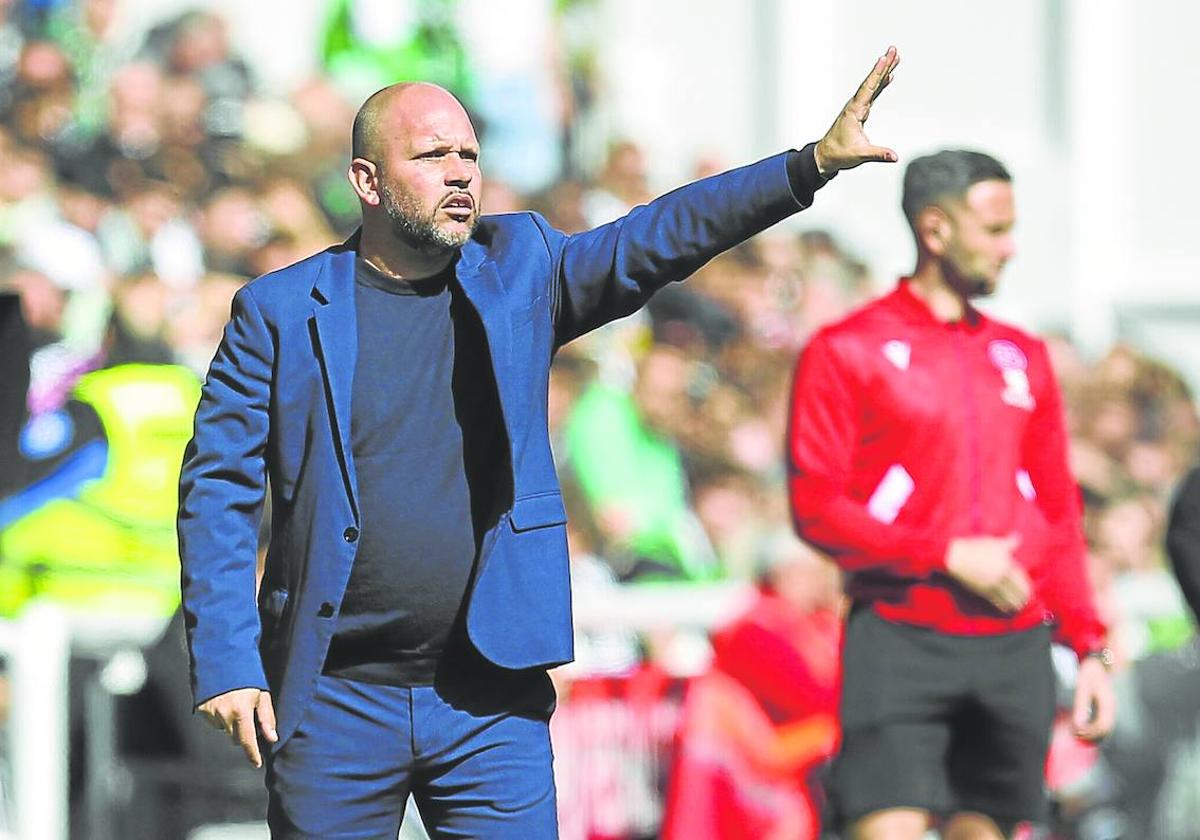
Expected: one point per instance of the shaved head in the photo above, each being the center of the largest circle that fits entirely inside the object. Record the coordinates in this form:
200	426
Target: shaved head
364	141
397	101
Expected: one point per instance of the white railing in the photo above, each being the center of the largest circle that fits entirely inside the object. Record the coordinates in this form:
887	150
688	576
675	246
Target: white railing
655	606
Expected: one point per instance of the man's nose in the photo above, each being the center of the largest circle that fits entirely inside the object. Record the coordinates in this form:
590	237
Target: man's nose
459	171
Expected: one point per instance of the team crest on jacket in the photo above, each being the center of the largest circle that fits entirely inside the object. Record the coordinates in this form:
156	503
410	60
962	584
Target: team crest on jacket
898	353
1007	356
1012	364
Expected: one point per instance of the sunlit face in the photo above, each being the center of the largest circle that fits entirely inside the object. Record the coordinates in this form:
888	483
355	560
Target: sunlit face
980	242
428	172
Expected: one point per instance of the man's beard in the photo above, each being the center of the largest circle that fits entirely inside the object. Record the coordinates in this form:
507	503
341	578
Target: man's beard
974	288
419	231
969	286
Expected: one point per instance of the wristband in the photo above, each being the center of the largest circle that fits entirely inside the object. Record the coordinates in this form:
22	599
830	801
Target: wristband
1104	654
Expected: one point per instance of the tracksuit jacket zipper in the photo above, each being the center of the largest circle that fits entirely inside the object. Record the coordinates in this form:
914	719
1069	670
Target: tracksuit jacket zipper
972	431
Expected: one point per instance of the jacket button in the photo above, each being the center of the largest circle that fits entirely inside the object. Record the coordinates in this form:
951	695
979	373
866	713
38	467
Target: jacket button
350	534
326	610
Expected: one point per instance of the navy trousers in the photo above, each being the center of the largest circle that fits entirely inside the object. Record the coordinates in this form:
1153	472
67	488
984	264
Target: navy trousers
474	751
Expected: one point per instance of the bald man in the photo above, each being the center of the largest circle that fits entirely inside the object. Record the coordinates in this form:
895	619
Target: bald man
393	389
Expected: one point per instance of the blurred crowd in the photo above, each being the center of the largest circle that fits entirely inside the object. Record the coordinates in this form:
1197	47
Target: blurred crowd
144	180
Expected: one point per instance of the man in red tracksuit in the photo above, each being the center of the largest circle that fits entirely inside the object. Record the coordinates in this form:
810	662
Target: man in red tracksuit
928	457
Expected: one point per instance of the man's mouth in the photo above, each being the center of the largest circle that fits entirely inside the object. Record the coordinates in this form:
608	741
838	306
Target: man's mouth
459	207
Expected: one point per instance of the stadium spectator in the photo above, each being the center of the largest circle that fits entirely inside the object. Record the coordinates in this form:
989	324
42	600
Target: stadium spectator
232	225
621	185
623	452
759	724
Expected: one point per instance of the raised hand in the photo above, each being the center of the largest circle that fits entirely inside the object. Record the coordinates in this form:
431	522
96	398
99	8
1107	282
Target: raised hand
845	144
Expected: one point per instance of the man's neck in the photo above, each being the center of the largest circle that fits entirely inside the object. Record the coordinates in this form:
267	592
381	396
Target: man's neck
388	255
929	284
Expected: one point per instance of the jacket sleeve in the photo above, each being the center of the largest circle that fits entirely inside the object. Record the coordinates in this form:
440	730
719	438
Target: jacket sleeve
1183	539
1068	591
221	492
611	271
823	431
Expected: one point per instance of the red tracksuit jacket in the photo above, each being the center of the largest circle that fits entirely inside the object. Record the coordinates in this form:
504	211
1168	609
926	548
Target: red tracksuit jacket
906	432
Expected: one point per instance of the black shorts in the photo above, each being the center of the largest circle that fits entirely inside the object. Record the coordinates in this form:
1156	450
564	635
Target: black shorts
943	723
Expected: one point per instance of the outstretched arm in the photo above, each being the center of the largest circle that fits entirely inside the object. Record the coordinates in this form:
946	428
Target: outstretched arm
611	271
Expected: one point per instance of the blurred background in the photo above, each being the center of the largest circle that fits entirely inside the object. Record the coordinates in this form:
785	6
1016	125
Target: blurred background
156	154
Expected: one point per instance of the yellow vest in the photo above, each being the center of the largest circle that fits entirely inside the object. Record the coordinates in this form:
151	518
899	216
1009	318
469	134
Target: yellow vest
111	547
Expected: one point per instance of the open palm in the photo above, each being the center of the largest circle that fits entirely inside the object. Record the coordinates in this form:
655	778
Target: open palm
845	145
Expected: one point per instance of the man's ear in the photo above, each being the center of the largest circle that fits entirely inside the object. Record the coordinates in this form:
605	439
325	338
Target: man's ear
934	228
364	178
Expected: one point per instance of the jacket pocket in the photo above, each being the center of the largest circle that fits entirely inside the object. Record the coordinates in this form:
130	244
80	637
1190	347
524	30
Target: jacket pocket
540	511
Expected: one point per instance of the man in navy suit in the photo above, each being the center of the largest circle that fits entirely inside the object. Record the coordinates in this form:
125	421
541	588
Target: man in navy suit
393	390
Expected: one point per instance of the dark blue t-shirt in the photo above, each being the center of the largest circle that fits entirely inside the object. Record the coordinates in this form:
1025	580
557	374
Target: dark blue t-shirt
425	429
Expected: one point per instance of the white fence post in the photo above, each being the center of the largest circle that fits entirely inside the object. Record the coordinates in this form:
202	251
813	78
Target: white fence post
38	723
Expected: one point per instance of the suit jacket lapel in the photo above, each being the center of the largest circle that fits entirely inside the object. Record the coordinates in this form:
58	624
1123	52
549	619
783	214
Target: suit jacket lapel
335	325
480	282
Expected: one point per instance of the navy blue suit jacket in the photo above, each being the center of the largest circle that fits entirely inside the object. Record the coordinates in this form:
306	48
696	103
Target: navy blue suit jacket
276	402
